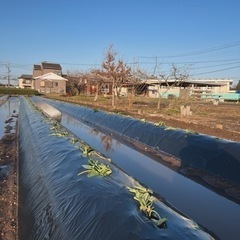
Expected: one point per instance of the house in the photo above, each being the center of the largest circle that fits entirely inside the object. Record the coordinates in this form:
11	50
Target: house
89	85
25	81
45	68
50	83
46	78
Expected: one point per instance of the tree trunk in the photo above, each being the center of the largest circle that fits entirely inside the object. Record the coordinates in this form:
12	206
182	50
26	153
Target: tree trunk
96	94
113	94
159	98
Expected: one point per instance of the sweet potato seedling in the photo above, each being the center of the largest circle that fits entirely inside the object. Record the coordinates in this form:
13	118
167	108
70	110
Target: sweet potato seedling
95	169
145	200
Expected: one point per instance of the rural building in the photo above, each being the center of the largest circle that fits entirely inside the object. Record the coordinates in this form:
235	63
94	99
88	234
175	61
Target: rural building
46	77
197	88
25	81
45	68
89	85
50	83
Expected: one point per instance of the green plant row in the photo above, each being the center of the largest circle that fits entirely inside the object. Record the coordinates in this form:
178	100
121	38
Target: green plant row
18	91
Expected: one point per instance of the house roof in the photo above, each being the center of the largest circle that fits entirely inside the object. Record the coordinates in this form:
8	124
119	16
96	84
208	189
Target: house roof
26	76
55	66
37	67
50	77
212	82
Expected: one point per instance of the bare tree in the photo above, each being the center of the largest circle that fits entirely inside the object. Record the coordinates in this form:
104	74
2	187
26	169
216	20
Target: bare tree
176	77
238	86
116	71
76	82
98	78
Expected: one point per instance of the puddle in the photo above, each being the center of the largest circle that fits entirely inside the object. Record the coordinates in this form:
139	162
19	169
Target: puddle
8	115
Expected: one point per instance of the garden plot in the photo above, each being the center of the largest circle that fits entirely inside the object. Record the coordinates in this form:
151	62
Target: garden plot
188	196
71	191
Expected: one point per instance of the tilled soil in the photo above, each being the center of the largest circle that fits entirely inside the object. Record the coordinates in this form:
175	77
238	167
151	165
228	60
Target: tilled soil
8	186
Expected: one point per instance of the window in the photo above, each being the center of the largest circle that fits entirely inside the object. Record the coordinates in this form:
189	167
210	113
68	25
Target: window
42	84
105	88
48	84
55	84
58	72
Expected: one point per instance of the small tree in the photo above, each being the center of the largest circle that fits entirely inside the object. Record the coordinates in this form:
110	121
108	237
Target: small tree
238	86
177	77
98	78
116	71
75	83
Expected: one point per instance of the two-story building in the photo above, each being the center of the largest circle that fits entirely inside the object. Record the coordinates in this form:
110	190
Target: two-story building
25	81
46	78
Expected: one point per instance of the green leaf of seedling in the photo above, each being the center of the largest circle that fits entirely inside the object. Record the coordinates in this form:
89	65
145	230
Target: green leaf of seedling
83	172
155	217
159	124
145	201
73	140
87	167
95	169
159	222
92	174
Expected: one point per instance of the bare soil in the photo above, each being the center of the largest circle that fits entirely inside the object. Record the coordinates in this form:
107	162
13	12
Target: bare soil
8	186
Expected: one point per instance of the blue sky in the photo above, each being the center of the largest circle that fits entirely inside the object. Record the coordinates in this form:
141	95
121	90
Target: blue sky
202	35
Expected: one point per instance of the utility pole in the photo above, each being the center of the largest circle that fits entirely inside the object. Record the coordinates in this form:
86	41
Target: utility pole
156	66
8	74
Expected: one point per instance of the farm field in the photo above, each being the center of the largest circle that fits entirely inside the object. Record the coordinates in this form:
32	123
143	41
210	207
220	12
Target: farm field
179	186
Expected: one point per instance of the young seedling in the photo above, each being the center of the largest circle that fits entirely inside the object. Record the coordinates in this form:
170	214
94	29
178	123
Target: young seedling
59	134
169	128
73	140
145	200
86	149
95	169
55	126
191	131
159	124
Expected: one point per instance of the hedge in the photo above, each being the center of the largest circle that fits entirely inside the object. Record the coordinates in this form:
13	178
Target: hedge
18	91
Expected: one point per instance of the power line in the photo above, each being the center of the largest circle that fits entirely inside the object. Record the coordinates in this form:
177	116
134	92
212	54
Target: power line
219	70
212	66
221	47
193	62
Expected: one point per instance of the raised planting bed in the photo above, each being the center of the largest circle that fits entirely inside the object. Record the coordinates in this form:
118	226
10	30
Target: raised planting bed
216	196
206	158
68	190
